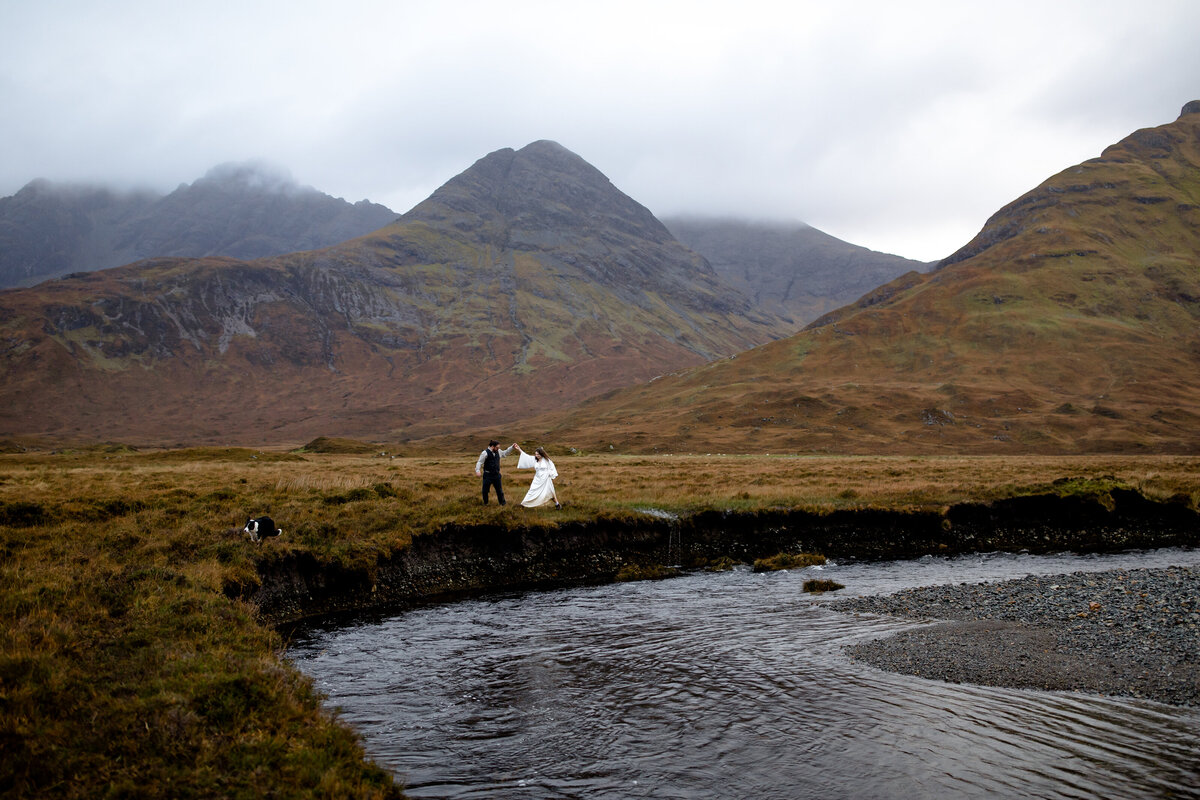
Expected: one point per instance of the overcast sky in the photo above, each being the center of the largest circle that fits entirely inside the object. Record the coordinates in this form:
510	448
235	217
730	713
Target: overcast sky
900	126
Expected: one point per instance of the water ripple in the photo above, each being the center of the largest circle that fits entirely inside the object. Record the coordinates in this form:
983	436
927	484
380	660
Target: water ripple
727	685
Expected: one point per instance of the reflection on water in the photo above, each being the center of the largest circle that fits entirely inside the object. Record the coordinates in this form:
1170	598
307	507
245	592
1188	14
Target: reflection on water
726	685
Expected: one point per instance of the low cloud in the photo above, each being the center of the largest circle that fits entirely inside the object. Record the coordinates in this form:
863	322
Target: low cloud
900	127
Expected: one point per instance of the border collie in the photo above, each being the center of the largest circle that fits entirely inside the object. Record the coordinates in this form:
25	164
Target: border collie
259	528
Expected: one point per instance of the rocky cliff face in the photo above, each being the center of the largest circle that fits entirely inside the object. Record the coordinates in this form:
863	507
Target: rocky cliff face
236	210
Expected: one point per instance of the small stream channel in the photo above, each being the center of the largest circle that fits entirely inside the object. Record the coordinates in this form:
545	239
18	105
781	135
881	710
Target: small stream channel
722	685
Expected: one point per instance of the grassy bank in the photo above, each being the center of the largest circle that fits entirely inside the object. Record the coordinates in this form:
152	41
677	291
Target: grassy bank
125	670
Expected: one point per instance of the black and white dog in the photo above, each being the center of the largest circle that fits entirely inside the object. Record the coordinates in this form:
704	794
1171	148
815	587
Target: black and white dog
261	527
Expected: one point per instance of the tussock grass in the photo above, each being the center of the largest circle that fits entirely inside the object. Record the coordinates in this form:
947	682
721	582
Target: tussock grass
638	572
292	481
126	670
822	585
782	561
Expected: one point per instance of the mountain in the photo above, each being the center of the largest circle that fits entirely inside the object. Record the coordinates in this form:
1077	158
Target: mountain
789	269
1067	325
248	210
49	229
526	283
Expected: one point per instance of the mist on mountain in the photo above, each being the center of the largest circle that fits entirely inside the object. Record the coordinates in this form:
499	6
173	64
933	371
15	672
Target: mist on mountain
239	210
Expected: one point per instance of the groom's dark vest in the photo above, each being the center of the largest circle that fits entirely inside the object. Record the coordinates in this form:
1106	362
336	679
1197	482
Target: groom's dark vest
491	462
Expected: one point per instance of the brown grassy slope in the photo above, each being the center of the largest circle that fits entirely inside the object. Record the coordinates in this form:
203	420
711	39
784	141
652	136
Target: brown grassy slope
1067	325
528	271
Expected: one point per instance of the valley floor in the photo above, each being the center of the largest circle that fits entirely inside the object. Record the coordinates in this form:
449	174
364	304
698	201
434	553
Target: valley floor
133	665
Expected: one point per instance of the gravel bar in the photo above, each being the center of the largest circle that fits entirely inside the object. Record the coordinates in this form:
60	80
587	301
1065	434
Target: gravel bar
1134	633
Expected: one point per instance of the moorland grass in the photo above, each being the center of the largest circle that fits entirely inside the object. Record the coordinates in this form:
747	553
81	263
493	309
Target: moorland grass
126	670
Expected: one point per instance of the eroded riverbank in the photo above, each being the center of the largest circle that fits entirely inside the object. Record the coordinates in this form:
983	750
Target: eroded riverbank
465	559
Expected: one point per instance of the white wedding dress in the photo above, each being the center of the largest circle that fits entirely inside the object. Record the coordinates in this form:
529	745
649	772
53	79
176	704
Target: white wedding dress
541	491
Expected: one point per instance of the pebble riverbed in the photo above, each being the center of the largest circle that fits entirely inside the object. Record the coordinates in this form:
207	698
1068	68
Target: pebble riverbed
1133	633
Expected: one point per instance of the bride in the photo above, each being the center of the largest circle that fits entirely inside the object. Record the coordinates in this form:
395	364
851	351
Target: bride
541	491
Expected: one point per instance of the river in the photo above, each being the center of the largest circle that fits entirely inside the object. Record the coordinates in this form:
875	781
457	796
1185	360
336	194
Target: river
726	685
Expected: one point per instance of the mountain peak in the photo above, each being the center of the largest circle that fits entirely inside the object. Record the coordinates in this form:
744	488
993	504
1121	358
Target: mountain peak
242	210
540	187
254	175
547	146
1150	147
553	154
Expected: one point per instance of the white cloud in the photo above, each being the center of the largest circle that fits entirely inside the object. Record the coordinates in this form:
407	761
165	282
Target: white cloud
899	126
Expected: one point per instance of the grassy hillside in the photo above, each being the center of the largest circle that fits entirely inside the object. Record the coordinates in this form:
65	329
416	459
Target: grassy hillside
1067	325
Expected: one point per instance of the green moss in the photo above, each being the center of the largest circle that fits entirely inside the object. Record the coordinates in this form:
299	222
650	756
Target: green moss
721	564
1096	486
782	561
643	572
334	444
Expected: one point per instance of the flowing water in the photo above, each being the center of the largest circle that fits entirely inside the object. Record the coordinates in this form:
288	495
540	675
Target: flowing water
726	685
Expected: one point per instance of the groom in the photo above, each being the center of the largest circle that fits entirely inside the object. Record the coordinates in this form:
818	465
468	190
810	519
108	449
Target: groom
488	466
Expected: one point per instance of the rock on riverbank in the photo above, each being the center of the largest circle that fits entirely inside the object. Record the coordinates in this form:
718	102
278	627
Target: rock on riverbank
1125	632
